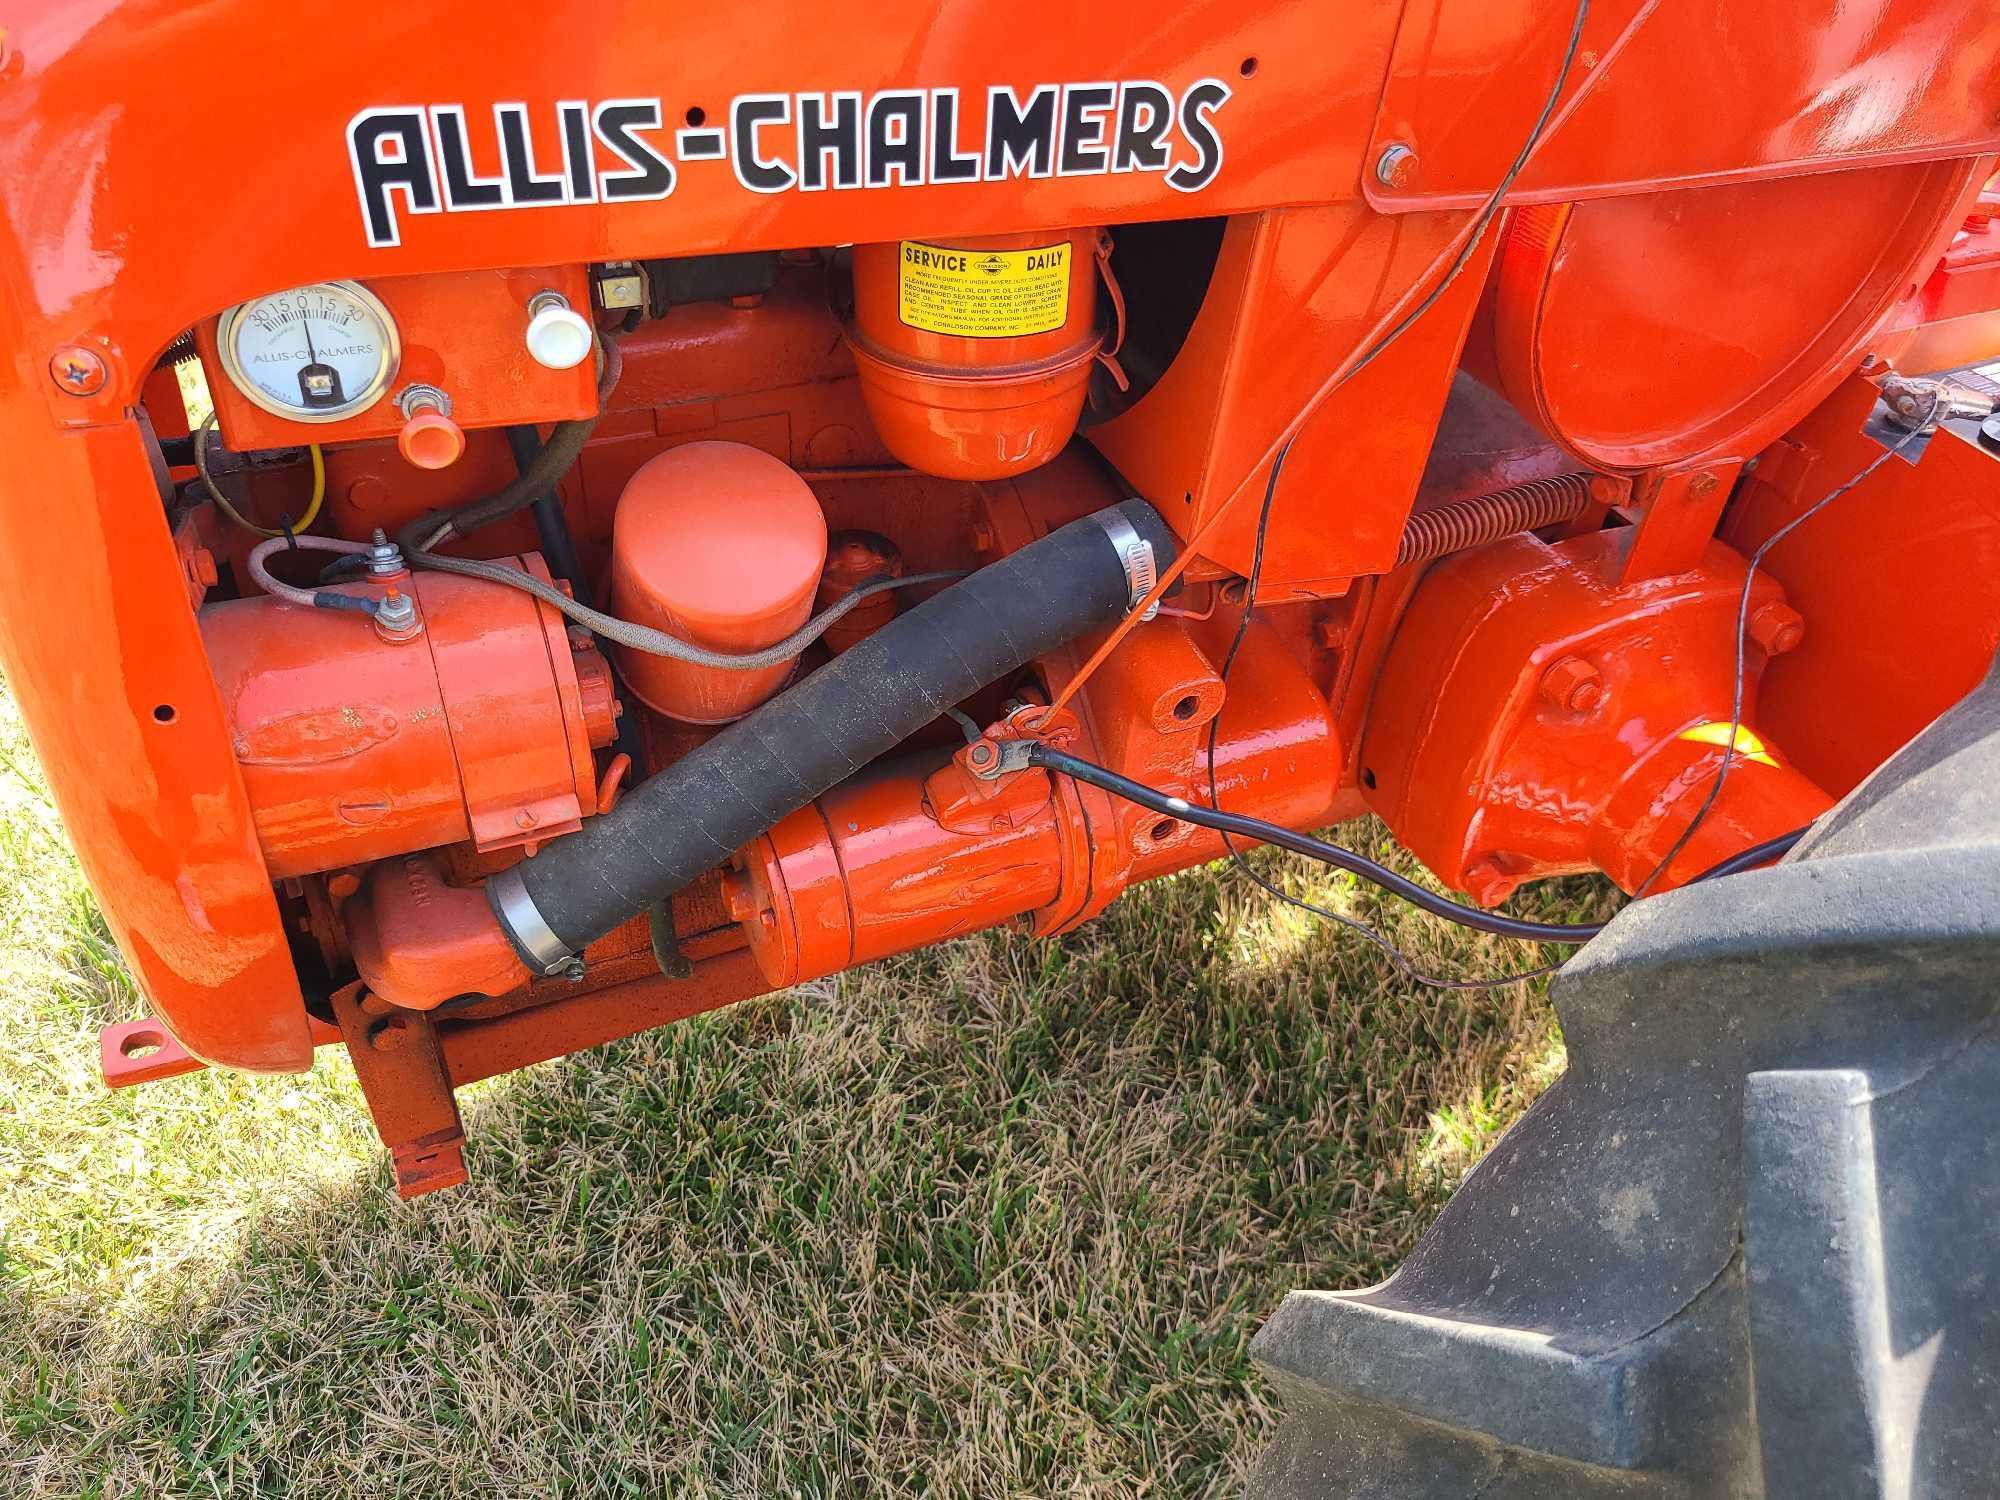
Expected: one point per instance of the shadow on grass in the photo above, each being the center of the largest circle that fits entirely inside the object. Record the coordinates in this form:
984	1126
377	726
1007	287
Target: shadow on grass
996	1218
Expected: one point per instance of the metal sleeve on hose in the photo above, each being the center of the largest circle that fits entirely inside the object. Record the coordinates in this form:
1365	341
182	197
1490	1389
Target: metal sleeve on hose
693	815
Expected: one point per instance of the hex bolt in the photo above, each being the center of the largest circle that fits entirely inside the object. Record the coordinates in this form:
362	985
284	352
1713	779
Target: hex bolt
572	969
1574	684
396	619
79	371
384	556
1777	627
980	754
1703	483
1396	167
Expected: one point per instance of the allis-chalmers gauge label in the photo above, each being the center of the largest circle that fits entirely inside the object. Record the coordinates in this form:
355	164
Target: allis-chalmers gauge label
423	159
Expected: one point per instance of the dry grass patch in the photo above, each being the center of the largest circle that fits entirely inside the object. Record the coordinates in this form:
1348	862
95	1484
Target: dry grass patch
995	1219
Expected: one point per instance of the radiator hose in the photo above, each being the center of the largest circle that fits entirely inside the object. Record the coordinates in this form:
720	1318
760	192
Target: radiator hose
692	816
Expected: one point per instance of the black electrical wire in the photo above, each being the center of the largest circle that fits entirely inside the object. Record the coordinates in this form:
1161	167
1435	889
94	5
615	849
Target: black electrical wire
1742	633
1755	855
559	551
1485	217
1303	843
551	525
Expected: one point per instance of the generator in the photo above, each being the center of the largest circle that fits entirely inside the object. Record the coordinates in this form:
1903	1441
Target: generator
506	547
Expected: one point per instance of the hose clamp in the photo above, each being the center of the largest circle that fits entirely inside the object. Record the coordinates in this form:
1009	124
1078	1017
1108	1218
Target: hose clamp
524	924
1136	553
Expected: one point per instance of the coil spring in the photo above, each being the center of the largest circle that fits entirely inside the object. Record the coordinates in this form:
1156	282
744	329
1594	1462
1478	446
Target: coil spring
1481	519
181	348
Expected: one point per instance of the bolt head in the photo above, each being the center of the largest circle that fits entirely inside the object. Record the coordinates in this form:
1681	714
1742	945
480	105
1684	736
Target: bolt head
1777	628
1396	167
572	969
1573	684
397	619
78	371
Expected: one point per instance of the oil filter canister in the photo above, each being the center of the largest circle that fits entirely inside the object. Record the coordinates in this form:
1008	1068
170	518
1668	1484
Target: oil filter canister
975	354
723	545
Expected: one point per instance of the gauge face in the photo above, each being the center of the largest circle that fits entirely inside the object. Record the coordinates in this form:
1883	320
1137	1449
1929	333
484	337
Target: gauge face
314	354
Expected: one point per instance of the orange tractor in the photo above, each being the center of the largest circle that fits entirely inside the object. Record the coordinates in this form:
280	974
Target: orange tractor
696	501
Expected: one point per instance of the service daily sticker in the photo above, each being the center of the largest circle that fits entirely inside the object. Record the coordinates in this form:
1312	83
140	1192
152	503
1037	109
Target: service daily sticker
984	294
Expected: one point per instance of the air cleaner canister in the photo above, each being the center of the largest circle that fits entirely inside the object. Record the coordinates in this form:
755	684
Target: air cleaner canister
975	354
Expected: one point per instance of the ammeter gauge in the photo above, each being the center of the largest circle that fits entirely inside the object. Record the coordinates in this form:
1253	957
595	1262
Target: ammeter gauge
313	354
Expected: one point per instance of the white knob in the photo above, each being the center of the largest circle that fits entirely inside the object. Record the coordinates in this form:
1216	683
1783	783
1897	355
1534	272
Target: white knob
559	337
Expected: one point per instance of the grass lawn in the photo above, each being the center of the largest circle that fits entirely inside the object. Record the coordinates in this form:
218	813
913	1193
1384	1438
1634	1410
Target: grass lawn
1000	1218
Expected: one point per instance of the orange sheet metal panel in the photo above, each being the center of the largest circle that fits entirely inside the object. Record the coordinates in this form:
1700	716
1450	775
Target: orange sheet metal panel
103	657
1294	293
1899	583
464	334
1667	93
1684	326
685	137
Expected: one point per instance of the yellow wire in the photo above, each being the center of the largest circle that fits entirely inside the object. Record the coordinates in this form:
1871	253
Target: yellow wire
223	505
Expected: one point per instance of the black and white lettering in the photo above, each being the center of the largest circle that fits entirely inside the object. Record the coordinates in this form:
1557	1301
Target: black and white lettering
748	115
1085	106
579	155
425	159
829	131
948	163
896	138
390	152
464	189
1020	135
1145	115
648	174
1197	104
526	185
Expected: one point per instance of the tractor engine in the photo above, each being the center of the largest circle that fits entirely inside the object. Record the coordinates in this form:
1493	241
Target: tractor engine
525	527
604	641
646	534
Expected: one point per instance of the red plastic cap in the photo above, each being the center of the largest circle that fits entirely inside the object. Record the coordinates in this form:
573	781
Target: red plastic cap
431	440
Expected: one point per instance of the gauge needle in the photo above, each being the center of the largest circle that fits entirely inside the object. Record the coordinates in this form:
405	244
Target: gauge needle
305	324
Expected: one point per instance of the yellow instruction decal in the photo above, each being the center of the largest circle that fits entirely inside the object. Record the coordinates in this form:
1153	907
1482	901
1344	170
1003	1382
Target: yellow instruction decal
1748	746
984	294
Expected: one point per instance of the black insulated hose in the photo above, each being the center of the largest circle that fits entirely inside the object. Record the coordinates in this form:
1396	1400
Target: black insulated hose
692	816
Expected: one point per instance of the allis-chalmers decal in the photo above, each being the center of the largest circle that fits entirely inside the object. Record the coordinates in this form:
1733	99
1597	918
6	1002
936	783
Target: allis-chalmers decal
779	143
